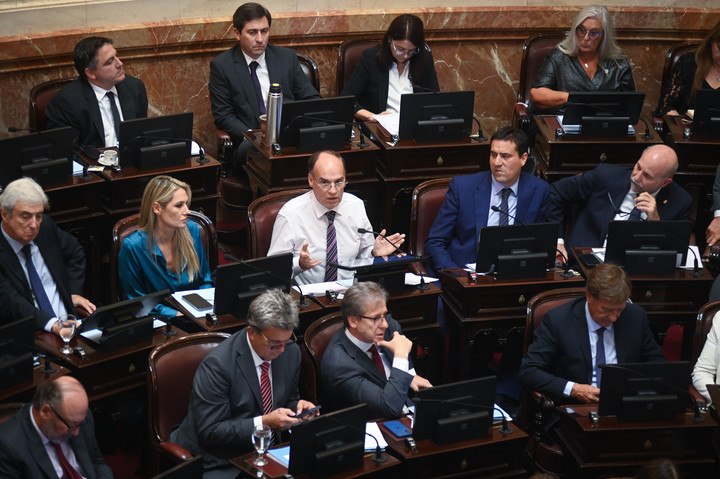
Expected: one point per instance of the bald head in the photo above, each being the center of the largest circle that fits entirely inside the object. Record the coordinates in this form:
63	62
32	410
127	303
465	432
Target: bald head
654	169
327	177
60	407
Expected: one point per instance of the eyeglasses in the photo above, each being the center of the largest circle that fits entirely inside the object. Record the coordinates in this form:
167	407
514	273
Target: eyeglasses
402	51
581	31
278	344
376	318
326	185
70	428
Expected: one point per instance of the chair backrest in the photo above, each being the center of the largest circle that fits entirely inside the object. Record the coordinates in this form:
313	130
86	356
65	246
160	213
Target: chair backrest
171	370
703	325
427	198
671	58
316	338
40	96
349	56
128	225
543	302
534	51
261	219
310	68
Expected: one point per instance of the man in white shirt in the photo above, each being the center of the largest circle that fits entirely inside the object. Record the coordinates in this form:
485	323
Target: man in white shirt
305	226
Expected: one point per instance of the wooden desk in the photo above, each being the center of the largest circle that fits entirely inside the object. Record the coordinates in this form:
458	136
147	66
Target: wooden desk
617	448
269	172
495	455
24	391
408	163
489	316
387	469
573	154
697	154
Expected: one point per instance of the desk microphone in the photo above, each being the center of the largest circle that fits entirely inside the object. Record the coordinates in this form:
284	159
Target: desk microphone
75	155
423	286
479	136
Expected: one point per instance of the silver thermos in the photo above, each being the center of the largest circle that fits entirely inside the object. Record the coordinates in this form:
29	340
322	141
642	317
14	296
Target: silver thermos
274	113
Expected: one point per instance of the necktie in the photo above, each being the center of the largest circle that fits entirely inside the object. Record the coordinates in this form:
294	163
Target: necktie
115	113
599	354
266	391
377	359
634	214
504	208
68	471
36	282
256	85
331	251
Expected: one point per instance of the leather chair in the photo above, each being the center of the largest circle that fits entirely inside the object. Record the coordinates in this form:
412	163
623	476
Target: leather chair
171	370
426	201
40	96
535	49
348	57
548	457
261	219
671	59
316	338
126	226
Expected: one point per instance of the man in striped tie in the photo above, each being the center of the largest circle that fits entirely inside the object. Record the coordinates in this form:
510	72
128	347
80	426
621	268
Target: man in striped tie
248	381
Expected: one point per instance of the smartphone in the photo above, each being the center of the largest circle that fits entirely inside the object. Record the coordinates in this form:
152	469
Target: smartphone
589	260
308	411
197	301
398	428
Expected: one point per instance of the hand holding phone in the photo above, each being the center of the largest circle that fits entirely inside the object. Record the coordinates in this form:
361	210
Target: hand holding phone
307	412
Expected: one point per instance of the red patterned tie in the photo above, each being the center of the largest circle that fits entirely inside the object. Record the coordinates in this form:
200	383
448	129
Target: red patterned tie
265	388
68	471
377	359
332	252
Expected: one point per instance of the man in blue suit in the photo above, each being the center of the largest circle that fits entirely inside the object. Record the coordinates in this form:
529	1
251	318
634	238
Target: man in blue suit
452	241
610	192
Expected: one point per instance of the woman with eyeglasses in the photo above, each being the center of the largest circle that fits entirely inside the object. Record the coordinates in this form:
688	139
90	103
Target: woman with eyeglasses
693	71
400	64
589	59
166	252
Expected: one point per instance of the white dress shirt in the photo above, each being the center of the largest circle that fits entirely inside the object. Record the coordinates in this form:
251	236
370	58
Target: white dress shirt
496	198
262	73
64	446
398	85
111	138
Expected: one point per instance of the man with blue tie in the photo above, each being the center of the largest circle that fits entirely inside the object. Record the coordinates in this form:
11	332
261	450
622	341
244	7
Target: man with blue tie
43	265
470	201
574	339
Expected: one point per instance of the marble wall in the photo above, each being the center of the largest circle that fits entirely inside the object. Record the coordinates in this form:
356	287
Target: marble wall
476	48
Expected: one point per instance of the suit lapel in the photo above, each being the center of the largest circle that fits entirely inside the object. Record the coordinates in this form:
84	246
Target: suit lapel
361	358
583	338
481	201
245	364
11	261
243	73
80	449
35	444
94	110
523	200
127	103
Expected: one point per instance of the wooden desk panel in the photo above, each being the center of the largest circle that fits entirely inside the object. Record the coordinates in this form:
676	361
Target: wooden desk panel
697	154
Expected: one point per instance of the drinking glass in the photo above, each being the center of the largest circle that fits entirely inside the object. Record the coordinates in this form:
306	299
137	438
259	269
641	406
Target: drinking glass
66	329
261	442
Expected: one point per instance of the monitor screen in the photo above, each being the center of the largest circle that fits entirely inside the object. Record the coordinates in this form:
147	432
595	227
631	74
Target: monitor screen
517	251
455	412
432	116
598	104
644	391
156	142
317	124
45	156
706	118
237	284
329	444
123	311
648	247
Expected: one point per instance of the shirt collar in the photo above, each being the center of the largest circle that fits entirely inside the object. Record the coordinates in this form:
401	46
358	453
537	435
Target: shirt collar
364	347
14	244
43	438
256	358
592	325
497	187
101	92
261	59
320	209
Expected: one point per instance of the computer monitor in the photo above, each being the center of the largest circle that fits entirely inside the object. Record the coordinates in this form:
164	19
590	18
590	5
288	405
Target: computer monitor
455	412
648	247
706	118
517	251
603	113
636	392
189	469
237	284
387	271
317	124
329	444
435	116
17	342
45	156
156	142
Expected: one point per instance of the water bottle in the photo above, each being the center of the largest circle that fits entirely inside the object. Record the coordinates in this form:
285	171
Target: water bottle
274	113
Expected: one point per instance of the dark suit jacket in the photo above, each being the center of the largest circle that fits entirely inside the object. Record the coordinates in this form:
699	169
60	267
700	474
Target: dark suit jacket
369	82
76	106
22	453
590	191
350	377
64	258
232	96
226	397
452	241
561	349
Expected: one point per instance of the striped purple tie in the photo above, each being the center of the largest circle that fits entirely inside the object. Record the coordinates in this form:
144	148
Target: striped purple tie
332	253
266	392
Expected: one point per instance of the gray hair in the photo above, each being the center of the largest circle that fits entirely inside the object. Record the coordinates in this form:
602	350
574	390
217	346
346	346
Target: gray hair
273	309
361	296
25	190
53	392
608	48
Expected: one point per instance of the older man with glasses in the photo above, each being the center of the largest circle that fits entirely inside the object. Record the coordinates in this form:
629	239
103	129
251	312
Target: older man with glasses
321	226
368	361
53	437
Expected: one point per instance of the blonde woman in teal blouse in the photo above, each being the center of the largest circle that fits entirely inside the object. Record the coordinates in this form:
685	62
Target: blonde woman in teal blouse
166	252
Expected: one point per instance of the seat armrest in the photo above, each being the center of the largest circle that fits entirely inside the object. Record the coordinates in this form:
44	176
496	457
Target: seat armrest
175	451
521	116
224	147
